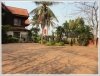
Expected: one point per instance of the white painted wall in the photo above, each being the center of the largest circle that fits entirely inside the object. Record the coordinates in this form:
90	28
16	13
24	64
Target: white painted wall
10	33
23	34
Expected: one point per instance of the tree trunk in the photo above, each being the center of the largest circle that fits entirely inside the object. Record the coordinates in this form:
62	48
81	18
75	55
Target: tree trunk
96	16
42	36
47	31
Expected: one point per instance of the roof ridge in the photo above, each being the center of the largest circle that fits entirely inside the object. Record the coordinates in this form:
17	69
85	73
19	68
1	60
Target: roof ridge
16	7
17	10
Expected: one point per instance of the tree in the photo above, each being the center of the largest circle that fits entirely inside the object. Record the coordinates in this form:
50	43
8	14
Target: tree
66	28
90	10
79	25
33	34
85	35
72	27
5	29
43	15
83	32
78	31
59	32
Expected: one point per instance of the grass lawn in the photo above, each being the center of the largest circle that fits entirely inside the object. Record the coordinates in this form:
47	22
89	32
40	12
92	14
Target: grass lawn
31	58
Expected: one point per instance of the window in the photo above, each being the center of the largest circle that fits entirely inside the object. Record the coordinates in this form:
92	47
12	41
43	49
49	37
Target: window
17	21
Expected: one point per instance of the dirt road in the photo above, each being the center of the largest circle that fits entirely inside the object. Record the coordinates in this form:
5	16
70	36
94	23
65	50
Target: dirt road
30	58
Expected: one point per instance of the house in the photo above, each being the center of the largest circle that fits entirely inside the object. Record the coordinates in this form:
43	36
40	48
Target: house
17	18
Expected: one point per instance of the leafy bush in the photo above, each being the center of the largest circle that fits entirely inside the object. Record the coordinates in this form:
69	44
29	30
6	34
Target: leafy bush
33	35
44	41
84	39
35	39
59	43
12	39
55	43
39	41
5	28
66	41
50	43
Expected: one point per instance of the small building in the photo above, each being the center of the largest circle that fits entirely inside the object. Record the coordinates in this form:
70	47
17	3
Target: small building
17	18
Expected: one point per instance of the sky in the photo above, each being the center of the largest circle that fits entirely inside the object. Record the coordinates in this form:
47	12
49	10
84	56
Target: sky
63	11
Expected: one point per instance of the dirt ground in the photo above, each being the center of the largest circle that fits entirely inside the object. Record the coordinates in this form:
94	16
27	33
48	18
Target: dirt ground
30	58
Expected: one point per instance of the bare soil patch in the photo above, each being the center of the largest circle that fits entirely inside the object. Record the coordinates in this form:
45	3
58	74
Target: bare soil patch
31	58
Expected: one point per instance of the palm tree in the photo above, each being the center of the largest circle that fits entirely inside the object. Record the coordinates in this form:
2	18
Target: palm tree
43	16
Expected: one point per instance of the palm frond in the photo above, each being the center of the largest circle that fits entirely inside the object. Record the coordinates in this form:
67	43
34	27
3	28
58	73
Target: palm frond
36	10
48	3
52	24
52	14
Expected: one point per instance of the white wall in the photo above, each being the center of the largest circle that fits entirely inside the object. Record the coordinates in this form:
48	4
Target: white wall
23	34
10	33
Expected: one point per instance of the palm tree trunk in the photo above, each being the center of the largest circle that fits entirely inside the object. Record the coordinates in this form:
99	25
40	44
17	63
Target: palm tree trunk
42	36
47	31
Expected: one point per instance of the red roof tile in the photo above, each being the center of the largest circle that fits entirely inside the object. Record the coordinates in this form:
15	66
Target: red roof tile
18	11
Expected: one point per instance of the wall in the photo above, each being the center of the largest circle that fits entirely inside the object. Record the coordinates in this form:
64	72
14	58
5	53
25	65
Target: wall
23	35
10	33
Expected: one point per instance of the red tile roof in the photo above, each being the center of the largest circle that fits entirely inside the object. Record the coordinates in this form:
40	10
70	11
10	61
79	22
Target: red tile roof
18	11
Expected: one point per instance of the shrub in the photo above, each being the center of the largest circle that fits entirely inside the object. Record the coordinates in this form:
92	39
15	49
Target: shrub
12	39
50	43
53	43
5	28
36	39
59	43
83	41
39	41
44	41
66	41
